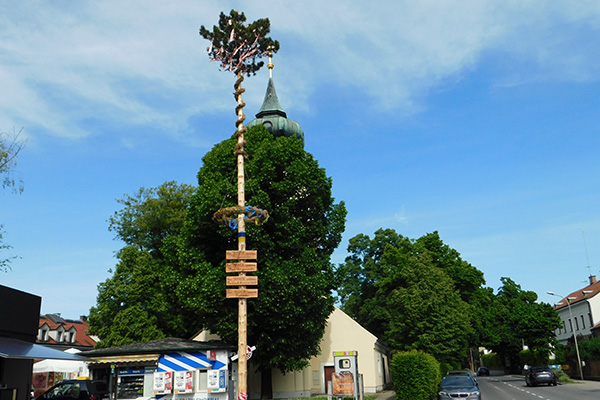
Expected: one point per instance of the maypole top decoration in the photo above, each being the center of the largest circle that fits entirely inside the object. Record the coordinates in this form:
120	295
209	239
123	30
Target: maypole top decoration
237	45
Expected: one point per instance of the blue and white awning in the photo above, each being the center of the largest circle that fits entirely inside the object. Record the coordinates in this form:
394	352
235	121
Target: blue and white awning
187	362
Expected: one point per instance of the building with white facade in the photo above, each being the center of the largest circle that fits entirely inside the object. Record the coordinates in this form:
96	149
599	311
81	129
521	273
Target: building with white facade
582	318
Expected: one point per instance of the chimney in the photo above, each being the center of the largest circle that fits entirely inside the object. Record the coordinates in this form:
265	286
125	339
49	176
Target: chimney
83	318
592	279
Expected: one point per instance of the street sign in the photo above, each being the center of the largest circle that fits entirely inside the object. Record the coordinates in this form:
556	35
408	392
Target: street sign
241	267
240	254
241	293
242	280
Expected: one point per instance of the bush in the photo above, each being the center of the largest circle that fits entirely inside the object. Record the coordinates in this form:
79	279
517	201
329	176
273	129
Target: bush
562	376
491	360
416	375
533	358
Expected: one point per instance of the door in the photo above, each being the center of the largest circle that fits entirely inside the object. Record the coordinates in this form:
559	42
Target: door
328	372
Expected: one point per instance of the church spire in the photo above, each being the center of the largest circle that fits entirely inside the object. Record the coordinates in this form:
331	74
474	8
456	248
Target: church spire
272	116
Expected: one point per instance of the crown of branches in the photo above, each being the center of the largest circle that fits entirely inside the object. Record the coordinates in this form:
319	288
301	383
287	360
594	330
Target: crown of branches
238	46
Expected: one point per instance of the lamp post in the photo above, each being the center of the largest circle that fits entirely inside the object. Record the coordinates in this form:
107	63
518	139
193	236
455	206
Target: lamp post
572	327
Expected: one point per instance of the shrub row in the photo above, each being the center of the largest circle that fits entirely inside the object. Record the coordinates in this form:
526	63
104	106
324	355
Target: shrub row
416	375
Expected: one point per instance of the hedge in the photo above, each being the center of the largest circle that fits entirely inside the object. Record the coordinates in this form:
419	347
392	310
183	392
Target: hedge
416	375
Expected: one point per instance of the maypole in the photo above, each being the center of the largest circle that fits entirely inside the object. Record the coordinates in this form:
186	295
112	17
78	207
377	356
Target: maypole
237	46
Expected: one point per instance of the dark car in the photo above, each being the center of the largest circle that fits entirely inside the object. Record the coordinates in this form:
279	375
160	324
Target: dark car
80	389
460	372
483	371
459	386
536	376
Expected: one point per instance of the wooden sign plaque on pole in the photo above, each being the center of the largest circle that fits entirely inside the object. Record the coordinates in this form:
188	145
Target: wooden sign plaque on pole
242	293
240	255
241	267
242	280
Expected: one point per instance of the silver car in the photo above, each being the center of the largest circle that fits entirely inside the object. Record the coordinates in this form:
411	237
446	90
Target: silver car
459	386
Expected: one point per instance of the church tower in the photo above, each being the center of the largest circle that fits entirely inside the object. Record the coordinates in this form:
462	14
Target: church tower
272	116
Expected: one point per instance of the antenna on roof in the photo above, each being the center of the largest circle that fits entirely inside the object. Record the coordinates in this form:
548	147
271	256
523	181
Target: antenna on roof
592	277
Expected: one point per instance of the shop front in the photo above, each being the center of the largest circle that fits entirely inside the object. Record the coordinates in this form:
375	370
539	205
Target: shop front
176	369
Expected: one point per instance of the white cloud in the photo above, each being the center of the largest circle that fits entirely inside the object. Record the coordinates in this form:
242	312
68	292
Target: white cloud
140	63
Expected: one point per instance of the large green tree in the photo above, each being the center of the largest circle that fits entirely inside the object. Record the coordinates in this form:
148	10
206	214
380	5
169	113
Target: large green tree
295	275
180	273
135	303
516	318
411	293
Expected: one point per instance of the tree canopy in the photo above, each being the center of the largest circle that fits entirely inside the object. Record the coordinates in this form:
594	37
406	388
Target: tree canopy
295	275
516	318
420	294
135	304
410	292
184	270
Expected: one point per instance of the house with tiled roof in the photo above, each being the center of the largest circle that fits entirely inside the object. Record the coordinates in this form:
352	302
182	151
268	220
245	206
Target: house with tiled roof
62	334
580	313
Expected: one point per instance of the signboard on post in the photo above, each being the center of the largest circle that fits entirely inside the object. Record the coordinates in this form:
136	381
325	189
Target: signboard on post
345	380
242	280
343	384
242	293
241	267
240	254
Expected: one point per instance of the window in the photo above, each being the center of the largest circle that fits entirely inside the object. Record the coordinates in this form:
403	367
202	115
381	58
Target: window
582	323
564	327
576	324
591	320
570	325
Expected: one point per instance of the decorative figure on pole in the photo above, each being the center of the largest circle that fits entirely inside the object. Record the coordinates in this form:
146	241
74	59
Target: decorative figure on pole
238	46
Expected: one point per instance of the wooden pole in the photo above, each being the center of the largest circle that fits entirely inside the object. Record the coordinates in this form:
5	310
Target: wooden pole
242	302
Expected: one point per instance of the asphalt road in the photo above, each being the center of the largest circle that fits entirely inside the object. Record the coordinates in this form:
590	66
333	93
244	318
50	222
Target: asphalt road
512	387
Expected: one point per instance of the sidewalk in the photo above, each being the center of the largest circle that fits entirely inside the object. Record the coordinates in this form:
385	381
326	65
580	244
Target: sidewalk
386	395
592	385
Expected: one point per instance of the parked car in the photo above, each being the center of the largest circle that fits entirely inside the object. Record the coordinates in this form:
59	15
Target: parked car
483	371
460	372
536	376
80	389
459	386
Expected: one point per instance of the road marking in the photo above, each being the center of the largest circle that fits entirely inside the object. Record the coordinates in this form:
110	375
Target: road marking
519	388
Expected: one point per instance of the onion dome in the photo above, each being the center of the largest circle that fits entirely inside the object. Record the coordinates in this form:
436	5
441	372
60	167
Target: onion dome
272	116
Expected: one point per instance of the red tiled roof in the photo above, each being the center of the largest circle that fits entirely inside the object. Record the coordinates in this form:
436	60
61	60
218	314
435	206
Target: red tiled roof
54	321
578	295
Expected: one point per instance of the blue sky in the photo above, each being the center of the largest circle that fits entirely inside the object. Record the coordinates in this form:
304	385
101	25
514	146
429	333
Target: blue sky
478	119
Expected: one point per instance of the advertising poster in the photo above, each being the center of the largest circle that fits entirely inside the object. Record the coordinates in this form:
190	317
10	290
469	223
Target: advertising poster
217	380
40	380
343	383
163	382
183	382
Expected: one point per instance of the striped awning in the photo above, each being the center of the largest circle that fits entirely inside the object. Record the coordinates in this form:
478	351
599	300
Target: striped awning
129	358
187	362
